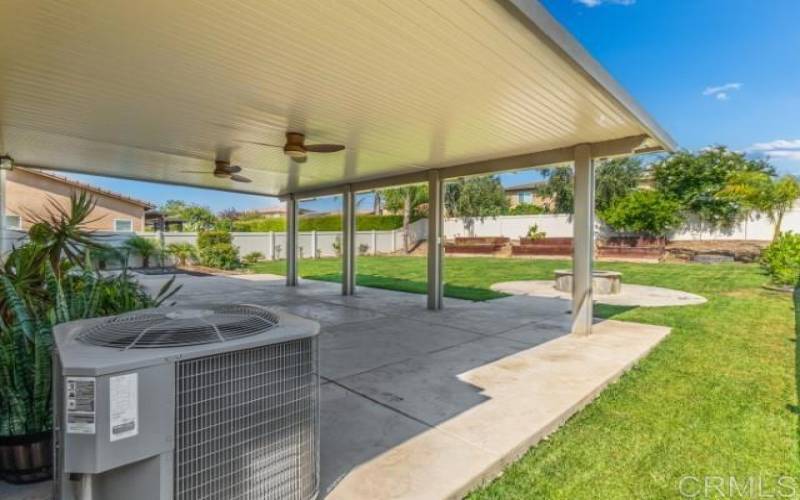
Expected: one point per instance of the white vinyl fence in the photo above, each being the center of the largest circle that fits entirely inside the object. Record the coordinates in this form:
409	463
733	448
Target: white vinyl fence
758	227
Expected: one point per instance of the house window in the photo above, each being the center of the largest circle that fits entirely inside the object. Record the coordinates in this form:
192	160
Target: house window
123	225
13	221
525	197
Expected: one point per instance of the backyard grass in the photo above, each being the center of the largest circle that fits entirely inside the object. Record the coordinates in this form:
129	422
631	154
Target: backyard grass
717	399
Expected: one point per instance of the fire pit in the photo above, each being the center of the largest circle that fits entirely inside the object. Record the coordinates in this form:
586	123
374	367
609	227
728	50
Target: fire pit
603	282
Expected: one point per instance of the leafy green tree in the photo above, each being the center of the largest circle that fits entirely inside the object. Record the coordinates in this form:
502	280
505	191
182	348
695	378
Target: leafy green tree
476	198
559	188
616	178
758	191
406	199
696	180
643	211
195	217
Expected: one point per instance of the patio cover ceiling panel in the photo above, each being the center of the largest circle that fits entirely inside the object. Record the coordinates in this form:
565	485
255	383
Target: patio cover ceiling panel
147	89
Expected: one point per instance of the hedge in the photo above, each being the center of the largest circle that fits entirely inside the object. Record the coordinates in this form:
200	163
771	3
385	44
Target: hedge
364	222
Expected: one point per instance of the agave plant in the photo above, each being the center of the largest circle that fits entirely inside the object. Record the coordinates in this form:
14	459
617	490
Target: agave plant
62	233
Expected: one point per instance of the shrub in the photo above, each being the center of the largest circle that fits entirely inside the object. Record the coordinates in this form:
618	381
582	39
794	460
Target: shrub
220	256
253	257
182	251
210	238
363	249
527	209
337	246
781	259
144	247
645	212
364	222
534	233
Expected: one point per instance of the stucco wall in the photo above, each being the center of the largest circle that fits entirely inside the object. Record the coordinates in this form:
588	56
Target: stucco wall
28	192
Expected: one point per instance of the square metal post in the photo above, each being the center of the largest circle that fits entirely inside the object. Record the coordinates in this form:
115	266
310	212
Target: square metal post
291	241
435	252
348	244
583	241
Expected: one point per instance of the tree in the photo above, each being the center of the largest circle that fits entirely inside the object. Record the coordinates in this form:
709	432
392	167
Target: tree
195	217
758	191
616	178
406	199
476	198
559	188
183	252
144	247
643	211
696	180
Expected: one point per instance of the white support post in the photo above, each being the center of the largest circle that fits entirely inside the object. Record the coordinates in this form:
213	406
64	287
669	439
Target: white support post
435	255
348	243
6	164
291	241
3	172
313	244
271	245
583	242
394	240
374	242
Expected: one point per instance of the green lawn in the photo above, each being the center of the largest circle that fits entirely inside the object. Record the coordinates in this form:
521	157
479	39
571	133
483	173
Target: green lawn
718	397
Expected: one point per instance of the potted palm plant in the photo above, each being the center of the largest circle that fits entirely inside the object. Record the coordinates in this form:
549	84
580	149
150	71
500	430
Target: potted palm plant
47	281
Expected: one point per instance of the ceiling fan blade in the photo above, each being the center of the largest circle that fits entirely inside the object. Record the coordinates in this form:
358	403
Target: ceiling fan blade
239	178
260	144
324	148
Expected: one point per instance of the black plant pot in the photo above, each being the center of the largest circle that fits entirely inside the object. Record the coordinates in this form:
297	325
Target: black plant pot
26	459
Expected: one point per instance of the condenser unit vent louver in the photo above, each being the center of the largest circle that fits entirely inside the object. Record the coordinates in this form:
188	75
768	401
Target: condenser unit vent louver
184	327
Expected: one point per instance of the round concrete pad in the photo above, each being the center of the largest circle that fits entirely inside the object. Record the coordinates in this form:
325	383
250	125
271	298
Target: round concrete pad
631	295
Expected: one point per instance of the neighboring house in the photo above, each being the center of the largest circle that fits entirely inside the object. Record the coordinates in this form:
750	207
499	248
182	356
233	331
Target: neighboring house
280	211
526	194
29	193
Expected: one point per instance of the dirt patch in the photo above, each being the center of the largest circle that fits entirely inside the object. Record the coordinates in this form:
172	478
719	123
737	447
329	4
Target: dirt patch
739	250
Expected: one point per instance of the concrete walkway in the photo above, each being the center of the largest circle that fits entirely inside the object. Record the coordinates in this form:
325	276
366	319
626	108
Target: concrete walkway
630	295
427	405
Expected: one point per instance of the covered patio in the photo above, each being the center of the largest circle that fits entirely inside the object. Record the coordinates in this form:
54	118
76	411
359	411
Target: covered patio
415	92
427	405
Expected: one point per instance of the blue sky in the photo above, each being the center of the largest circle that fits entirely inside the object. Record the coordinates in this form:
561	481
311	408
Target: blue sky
710	72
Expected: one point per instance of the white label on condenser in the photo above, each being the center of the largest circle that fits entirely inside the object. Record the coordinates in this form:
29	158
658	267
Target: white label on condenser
124	406
79	405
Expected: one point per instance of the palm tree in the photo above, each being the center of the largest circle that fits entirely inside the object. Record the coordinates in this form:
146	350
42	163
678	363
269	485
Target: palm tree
758	191
407	199
144	247
182	251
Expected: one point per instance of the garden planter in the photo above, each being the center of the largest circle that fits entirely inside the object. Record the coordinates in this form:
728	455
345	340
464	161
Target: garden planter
26	459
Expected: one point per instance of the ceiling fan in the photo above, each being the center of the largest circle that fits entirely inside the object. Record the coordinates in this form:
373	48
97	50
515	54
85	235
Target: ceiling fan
298	150
223	170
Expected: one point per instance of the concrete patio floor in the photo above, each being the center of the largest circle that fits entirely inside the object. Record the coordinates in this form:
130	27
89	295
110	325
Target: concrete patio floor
427	405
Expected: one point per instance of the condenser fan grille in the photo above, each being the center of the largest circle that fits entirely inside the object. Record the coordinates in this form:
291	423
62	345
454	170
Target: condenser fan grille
177	327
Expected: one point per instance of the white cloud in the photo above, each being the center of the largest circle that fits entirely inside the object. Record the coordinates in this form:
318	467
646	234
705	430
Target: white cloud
595	3
722	92
781	148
